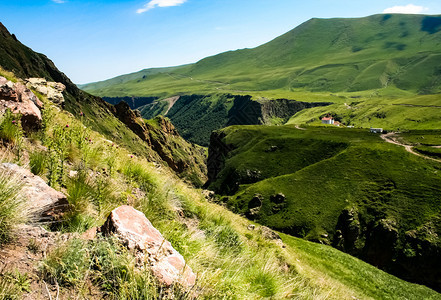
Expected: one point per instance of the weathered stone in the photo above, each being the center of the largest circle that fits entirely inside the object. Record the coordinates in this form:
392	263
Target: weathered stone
45	204
52	90
268	233
209	195
19	99
135	231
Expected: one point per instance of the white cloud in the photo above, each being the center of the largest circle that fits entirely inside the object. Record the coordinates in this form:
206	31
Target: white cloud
407	9
154	3
59	1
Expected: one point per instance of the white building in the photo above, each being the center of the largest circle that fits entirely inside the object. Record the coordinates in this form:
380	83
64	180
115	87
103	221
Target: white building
328	120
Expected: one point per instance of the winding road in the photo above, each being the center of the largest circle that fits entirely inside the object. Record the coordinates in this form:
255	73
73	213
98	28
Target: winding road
391	138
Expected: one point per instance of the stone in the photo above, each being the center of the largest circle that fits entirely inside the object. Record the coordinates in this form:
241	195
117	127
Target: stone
251	227
20	100
136	232
209	195
52	90
45	204
268	233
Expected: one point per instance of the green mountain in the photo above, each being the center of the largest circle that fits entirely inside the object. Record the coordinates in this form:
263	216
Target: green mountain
332	55
377	71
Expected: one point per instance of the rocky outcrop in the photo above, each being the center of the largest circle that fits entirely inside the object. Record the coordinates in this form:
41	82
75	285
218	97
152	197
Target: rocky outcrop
52	90
136	232
43	202
123	112
160	134
20	100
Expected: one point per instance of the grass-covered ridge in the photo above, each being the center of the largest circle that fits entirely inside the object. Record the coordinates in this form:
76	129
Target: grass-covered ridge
340	186
333	55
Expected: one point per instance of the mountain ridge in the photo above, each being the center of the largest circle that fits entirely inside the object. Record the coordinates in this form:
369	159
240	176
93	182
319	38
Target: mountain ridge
346	49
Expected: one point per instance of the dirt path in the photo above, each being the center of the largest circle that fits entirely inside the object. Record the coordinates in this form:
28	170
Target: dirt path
299	128
391	138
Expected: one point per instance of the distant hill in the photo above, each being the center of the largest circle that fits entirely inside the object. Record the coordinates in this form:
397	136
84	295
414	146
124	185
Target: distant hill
333	55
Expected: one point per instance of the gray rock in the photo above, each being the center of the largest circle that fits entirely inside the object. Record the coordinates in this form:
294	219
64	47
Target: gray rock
268	233
52	90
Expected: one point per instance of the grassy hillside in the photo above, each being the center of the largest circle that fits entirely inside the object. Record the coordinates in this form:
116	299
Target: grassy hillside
232	262
332	55
389	112
344	187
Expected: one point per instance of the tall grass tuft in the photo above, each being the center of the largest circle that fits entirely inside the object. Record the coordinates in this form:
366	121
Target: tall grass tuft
37	162
67	264
10	128
12	205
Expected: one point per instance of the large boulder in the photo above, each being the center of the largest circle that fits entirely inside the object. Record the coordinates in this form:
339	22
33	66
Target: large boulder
135	231
44	203
19	99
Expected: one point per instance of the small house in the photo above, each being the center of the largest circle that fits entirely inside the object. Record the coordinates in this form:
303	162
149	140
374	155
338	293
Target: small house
376	130
328	120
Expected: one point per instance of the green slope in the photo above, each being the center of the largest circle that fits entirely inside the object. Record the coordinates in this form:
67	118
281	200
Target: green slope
344	187
320	55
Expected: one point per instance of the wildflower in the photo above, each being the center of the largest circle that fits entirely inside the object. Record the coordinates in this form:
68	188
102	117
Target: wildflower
131	156
67	125
13	121
81	113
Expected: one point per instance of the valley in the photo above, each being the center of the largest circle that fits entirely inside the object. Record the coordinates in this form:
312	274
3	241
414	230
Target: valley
220	179
339	186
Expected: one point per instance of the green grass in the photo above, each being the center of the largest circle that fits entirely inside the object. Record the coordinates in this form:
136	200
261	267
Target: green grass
353	272
389	112
37	162
324	167
12	205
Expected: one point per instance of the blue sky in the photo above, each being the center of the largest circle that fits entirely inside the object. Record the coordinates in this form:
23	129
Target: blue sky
96	40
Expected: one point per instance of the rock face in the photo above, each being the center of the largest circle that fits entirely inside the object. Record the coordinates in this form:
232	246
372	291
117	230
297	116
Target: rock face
123	112
160	134
136	232
45	203
52	90
19	99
